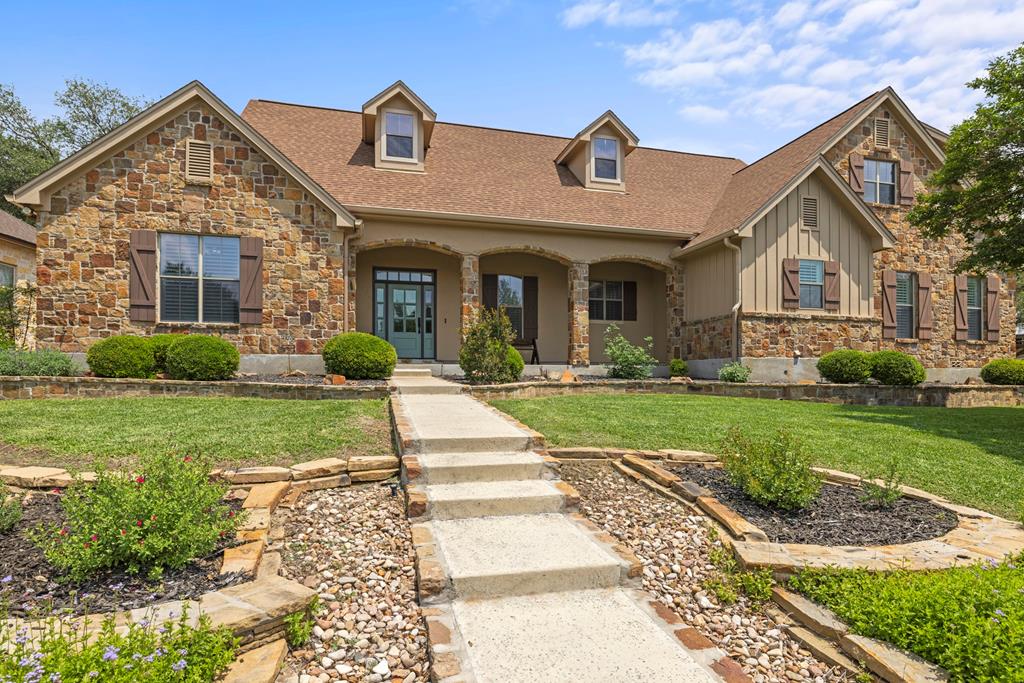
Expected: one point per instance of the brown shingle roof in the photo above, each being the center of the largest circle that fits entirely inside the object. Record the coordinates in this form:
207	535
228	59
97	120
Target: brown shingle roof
494	173
17	229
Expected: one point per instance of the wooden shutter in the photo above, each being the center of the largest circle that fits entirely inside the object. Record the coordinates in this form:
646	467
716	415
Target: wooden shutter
142	276
790	283
992	321
924	306
888	304
831	285
960	308
250	275
629	300
490	291
857	172
530	305
906	182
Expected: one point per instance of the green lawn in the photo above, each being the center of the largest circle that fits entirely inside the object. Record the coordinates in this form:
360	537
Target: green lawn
236	431
973	456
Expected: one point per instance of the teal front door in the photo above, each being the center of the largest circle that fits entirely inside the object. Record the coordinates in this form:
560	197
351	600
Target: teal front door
404	305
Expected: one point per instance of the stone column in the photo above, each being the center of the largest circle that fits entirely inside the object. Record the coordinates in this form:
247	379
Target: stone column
675	295
470	286
350	290
579	314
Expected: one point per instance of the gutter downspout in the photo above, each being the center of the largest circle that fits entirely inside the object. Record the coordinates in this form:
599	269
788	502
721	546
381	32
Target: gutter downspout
739	301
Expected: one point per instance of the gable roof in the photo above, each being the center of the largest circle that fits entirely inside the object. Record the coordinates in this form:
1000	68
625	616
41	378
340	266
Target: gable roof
397	88
34	192
610	118
14	228
492	175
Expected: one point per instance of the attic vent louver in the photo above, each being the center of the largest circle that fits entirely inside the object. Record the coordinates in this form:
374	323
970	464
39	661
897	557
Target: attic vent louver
809	213
881	132
198	160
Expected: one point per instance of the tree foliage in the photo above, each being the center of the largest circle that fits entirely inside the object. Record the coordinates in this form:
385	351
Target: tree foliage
979	191
29	146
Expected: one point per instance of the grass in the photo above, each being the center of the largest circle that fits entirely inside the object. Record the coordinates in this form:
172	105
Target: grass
230	431
973	456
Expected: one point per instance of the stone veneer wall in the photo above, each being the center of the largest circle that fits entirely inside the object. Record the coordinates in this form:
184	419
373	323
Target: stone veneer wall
83	259
707	339
780	335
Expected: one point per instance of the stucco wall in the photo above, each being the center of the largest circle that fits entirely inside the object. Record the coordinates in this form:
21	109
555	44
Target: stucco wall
651	309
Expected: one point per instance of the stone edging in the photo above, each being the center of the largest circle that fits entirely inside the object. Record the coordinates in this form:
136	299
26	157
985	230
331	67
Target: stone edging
979	535
938	395
97	387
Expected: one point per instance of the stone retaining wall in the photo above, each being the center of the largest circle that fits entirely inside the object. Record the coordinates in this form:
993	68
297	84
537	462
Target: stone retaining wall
941	395
99	387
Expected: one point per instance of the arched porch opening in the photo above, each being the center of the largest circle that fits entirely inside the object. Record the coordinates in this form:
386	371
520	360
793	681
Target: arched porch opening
631	294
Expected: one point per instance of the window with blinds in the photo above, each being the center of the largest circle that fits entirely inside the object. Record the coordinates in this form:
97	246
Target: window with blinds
975	304
199	278
906	305
198	160
812	284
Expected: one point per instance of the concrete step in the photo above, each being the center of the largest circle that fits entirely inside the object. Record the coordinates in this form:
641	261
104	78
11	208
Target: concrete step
457	468
472	444
458	424
596	635
492	499
497	556
416	384
411	371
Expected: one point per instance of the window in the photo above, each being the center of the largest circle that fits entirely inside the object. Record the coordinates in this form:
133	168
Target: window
906	305
606	158
809	213
975	297
880	181
198	160
198	278
606	298
510	297
812	284
6	275
399	131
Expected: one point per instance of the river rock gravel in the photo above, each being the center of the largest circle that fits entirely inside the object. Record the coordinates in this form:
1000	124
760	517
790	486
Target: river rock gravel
673	545
352	545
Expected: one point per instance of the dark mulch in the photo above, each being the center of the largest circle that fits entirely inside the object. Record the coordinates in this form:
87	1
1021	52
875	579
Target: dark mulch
837	517
35	585
307	379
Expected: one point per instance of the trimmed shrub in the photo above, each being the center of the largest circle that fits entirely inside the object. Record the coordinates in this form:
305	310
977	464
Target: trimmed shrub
201	357
163	516
484	355
43	362
358	355
845	366
677	367
734	372
775	471
626	360
124	355
1004	371
160	344
896	367
515	364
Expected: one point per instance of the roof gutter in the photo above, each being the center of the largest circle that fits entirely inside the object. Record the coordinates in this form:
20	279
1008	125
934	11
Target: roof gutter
739	300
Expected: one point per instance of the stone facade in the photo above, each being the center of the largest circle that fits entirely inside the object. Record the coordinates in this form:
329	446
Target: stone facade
83	246
579	314
708	338
21	256
782	335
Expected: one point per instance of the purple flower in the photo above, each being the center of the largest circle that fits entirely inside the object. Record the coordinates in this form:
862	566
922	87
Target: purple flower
1000	613
7	579
110	654
179	665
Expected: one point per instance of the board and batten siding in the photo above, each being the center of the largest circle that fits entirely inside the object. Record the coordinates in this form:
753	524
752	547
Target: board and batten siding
709	283
779	236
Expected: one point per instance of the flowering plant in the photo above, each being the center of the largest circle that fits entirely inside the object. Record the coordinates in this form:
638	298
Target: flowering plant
162	516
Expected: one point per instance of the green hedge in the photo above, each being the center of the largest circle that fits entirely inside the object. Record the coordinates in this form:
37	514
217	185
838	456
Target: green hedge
358	355
122	356
677	368
896	367
160	344
201	357
515	363
845	366
1004	371
41	363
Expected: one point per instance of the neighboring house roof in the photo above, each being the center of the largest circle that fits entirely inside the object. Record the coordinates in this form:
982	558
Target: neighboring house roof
34	192
14	228
498	175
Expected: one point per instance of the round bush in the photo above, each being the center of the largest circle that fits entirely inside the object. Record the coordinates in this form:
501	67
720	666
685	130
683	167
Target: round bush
1004	371
677	367
734	372
515	364
160	344
122	356
845	366
358	355
201	357
896	367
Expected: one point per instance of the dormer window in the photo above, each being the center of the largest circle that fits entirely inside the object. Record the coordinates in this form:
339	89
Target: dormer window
399	135
606	159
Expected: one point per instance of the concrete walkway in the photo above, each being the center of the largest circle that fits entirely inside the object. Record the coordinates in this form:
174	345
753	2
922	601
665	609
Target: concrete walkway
529	593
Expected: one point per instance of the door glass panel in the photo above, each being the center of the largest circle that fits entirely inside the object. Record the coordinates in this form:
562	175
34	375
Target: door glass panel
378	311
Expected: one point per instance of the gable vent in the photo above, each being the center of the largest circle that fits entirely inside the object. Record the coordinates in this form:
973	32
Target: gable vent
881	132
198	160
809	213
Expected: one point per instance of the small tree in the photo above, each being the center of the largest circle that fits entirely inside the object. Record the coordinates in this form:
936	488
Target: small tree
15	315
626	360
484	355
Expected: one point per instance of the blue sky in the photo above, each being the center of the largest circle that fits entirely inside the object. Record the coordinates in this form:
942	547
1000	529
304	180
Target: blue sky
737	78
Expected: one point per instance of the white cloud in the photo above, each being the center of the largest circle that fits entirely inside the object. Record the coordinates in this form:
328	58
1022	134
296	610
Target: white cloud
619	13
704	113
791	13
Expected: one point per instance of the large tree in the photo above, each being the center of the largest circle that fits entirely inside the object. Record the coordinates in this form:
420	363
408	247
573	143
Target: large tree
979	191
29	146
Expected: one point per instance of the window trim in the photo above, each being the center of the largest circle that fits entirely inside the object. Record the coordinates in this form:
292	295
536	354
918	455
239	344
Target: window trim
801	283
877	183
199	278
912	278
593	160
604	299
980	308
415	158
14	274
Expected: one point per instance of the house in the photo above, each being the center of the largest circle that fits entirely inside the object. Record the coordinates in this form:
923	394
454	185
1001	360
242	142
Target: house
284	226
17	251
